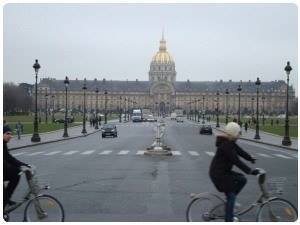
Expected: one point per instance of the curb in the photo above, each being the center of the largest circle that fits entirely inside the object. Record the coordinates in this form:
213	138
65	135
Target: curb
260	142
52	141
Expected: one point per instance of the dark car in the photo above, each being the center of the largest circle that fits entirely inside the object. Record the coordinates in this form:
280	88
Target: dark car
69	120
205	129
109	130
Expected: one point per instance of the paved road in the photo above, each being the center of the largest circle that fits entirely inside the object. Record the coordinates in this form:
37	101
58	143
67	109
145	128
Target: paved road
111	180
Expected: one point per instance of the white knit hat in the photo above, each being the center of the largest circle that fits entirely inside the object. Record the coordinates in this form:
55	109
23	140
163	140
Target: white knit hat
233	130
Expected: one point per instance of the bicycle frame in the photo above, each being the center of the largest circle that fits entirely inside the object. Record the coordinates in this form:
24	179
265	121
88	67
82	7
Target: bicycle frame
29	194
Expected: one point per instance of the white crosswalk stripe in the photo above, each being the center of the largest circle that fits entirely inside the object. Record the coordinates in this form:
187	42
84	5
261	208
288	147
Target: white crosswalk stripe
264	155
87	152
20	153
124	152
194	153
283	156
35	153
210	153
141	152
107	152
70	152
52	153
176	152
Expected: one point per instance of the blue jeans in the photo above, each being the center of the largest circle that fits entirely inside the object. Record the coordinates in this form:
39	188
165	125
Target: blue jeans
240	181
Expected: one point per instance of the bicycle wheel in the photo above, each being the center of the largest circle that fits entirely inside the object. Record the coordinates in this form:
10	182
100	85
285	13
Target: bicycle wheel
277	210
44	208
204	209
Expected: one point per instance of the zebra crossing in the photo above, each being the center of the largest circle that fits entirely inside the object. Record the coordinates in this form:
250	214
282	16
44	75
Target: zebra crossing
192	153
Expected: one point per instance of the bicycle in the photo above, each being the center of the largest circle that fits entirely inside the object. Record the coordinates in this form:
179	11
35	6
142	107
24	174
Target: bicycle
40	207
208	207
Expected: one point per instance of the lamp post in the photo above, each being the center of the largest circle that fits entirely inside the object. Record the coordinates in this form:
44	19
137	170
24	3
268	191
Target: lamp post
198	109
66	82
105	107
46	107
227	93
53	119
97	91
84	119
257	83
252	108
156	108
263	109
120	110
36	137
239	110
125	109
286	139
203	98
218	93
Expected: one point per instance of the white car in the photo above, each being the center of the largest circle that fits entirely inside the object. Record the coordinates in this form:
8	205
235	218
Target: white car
179	119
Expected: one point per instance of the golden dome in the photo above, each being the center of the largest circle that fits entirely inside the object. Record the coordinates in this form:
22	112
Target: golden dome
162	56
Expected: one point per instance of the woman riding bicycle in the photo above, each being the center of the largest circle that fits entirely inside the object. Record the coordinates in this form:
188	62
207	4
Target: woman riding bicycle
224	178
11	168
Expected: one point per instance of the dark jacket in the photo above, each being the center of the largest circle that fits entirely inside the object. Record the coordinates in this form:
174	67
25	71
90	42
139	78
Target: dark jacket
226	157
10	162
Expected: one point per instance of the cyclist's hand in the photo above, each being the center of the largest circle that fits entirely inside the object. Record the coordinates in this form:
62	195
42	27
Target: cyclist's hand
253	160
255	172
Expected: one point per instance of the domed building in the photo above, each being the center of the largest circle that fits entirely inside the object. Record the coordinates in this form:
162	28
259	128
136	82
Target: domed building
162	94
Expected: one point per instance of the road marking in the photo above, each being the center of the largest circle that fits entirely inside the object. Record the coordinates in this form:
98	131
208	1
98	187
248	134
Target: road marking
70	152
141	152
87	152
35	153
123	152
210	153
105	152
282	156
264	155
20	153
194	153
176	152
52	153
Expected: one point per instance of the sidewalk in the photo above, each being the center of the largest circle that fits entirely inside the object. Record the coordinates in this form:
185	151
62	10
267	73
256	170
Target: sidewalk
265	138
53	136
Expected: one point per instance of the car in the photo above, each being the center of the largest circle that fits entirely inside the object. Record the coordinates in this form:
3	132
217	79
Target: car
151	119
69	120
206	129
109	130
179	119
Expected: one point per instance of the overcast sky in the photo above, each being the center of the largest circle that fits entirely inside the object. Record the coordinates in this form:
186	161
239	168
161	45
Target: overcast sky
208	42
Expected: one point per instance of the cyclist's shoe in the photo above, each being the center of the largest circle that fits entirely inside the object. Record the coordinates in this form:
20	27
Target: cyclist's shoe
42	215
11	203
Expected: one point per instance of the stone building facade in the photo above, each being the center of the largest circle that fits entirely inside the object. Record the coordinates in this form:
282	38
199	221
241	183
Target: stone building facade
162	93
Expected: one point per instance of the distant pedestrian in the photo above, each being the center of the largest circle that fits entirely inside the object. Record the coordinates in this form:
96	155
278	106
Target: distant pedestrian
246	126
99	120
272	122
19	129
91	122
277	122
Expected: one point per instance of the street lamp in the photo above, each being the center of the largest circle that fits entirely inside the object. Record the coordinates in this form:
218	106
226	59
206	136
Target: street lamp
218	93
53	119
66	82
252	108
36	137
97	91
84	119
120	110
239	110
226	92
286	139
105	107
46	107
203	109
125	109
257	83
263	109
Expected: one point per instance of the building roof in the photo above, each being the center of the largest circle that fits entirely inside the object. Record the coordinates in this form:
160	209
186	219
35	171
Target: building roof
180	86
